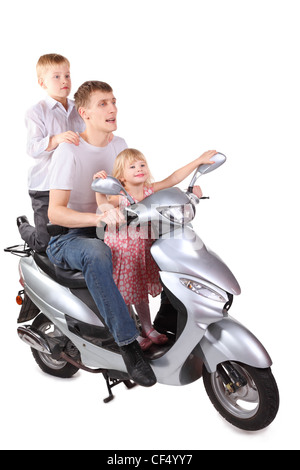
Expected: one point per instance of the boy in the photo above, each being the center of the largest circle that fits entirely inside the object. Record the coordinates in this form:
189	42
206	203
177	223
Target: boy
73	205
50	122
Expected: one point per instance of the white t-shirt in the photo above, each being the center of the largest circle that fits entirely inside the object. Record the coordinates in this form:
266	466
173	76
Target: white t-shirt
43	120
72	168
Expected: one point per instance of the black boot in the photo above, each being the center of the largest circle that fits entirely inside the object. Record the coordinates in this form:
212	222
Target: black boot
138	368
22	220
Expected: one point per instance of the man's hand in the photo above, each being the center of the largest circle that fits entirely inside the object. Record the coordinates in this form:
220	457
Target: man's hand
111	216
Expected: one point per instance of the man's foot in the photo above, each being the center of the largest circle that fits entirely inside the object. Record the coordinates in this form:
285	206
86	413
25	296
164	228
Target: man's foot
22	220
138	368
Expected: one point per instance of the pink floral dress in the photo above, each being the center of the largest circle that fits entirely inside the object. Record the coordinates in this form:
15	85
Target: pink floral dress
134	270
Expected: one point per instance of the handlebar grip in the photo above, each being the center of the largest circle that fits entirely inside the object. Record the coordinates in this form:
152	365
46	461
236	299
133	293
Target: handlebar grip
130	218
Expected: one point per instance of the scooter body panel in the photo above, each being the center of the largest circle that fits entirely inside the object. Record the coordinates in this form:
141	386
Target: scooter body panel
193	258
200	310
182	363
219	336
56	302
56	298
229	340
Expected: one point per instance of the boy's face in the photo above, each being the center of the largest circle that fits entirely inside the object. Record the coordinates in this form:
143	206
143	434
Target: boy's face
101	112
56	81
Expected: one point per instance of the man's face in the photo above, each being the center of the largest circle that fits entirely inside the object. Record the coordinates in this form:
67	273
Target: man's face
101	112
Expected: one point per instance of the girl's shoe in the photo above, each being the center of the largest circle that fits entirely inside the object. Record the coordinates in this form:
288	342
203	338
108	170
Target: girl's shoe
145	343
156	338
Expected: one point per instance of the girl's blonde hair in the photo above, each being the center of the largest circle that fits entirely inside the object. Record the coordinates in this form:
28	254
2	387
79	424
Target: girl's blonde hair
129	156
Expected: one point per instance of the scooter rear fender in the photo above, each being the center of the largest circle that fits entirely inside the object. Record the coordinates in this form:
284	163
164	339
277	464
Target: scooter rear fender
229	340
51	297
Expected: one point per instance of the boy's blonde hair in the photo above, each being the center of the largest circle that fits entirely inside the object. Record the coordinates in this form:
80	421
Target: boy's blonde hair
49	60
129	156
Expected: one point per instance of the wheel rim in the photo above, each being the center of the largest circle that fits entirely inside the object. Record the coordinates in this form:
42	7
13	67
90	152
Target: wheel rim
244	403
50	330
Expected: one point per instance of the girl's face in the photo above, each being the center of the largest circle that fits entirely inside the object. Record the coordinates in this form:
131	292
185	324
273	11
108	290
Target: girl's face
136	172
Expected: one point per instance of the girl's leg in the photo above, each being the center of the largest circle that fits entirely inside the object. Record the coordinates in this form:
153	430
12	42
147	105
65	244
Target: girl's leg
148	331
144	342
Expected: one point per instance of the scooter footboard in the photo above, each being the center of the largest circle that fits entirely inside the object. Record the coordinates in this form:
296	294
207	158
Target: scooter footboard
229	340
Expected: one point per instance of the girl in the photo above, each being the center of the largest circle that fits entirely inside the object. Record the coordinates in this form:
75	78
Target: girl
135	272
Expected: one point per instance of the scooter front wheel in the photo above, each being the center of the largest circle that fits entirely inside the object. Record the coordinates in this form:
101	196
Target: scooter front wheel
251	406
46	362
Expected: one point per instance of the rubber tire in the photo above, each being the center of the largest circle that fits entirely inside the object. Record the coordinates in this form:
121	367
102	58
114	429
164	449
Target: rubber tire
66	371
268	398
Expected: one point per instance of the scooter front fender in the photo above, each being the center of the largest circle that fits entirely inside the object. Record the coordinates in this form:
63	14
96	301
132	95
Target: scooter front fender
229	340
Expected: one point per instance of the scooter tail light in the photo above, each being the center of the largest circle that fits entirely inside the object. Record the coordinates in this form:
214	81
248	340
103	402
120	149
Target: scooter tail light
204	290
19	300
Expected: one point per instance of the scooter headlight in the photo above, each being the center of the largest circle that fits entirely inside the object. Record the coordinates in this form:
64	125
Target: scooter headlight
182	214
203	290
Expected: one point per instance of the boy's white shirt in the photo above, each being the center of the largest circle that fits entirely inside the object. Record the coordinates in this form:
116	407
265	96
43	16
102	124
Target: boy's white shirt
47	118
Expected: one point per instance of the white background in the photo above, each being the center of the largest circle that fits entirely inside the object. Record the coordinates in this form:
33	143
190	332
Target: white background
188	76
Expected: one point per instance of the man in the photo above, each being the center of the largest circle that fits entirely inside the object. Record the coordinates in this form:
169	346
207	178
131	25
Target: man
73	205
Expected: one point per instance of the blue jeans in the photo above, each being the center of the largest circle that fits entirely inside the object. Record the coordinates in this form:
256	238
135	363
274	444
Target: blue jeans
80	249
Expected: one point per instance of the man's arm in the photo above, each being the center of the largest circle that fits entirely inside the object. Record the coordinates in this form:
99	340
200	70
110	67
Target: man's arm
60	214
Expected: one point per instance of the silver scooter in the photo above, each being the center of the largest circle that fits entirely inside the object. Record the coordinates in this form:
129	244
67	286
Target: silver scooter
62	325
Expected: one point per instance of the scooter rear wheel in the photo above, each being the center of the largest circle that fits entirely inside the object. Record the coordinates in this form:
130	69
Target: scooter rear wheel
253	406
46	362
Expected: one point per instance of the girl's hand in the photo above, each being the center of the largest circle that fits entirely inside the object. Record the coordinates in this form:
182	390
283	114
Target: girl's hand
197	191
206	157
100	174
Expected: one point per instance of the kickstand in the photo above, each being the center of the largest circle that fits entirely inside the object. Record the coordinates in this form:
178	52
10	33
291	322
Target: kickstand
110	383
109	387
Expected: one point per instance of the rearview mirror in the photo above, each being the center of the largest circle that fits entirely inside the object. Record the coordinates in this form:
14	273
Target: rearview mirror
218	160
110	186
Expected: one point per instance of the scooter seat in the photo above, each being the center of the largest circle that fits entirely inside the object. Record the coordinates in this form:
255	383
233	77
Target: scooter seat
65	277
